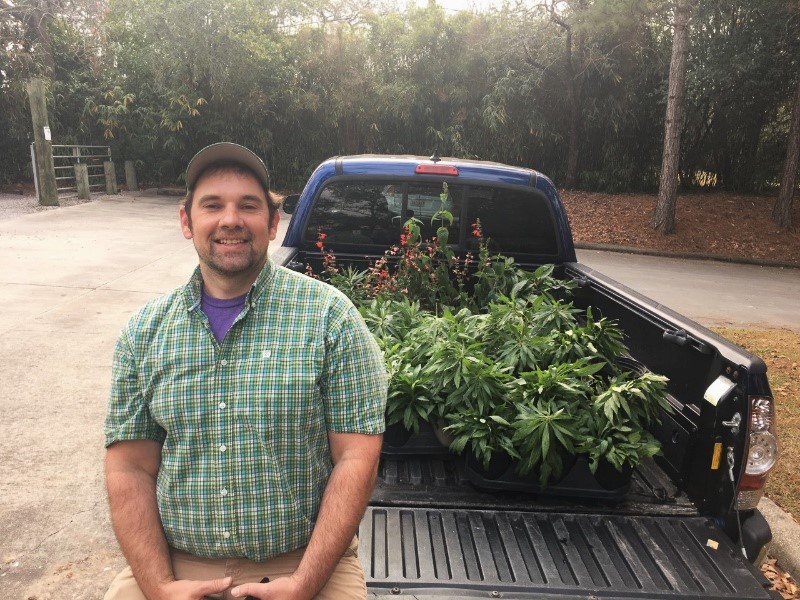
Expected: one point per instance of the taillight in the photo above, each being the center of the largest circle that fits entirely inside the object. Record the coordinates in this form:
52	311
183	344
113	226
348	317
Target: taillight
762	451
437	170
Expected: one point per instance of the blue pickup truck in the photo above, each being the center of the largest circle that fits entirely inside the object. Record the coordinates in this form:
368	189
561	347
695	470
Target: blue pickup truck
687	525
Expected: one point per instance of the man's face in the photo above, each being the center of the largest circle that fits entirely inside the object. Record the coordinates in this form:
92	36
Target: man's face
230	225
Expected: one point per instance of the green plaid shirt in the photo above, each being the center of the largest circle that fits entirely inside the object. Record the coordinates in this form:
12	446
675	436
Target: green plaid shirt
244	424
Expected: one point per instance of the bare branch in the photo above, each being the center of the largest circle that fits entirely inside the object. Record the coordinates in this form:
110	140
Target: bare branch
532	61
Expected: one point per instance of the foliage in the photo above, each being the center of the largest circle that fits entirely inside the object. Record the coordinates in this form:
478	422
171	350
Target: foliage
742	69
550	405
302	81
501	356
623	411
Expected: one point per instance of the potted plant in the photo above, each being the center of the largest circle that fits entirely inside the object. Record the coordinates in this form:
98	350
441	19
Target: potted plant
616	437
520	380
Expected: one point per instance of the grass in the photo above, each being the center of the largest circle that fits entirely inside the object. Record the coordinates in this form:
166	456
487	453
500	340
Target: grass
780	349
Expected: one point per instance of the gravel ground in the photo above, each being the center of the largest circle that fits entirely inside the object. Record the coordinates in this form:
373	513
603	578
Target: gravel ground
14	205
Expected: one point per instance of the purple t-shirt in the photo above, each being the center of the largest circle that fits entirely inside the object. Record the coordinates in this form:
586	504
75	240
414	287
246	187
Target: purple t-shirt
221	313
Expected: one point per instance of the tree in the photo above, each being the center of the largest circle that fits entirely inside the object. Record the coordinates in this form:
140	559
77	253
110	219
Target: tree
576	64
57	41
740	77
782	210
663	219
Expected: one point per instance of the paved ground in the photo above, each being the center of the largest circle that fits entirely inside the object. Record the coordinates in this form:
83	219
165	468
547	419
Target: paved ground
710	292
69	279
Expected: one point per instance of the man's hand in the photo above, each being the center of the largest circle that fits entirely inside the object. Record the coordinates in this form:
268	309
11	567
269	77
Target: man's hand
186	589
283	588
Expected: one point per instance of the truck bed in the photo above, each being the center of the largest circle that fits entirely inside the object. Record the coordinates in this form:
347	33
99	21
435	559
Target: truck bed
428	533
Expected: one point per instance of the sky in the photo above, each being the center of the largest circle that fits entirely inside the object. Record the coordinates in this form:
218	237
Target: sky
457	5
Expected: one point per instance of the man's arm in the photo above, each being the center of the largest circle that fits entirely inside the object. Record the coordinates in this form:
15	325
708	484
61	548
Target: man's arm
355	458
131	472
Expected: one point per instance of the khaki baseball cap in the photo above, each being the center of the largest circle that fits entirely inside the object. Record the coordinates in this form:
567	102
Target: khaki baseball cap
225	152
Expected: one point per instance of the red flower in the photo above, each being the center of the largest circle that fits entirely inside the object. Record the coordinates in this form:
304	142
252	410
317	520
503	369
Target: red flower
319	245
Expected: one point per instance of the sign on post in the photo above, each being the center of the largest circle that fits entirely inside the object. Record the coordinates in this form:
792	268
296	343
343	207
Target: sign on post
42	141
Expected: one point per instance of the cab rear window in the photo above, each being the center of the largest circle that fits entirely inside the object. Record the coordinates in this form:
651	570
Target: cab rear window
372	213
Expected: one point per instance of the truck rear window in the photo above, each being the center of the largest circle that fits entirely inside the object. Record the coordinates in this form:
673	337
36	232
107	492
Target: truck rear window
373	212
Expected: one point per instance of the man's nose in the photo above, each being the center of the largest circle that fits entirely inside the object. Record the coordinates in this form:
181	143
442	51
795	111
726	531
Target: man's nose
231	216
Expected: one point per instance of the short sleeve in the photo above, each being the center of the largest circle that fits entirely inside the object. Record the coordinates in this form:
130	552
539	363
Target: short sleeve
355	381
128	416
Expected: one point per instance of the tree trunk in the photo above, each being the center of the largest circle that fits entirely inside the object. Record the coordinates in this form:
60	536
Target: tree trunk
573	151
782	211
575	105
663	219
575	50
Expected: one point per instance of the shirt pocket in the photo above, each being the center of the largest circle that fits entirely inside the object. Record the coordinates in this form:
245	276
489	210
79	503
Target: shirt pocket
281	384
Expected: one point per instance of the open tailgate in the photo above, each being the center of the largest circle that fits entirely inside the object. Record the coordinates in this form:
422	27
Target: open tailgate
430	534
473	553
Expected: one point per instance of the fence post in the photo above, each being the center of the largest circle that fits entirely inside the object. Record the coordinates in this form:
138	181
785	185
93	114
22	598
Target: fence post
82	180
42	141
111	177
130	176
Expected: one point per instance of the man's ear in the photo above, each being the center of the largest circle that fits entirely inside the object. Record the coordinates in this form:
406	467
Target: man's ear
186	223
273	226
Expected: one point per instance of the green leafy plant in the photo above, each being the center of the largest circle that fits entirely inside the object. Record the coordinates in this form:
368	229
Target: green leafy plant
549	405
501	355
635	400
486	435
617	429
410	398
543	435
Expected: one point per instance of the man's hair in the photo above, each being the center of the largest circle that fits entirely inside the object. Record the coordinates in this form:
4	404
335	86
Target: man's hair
273	200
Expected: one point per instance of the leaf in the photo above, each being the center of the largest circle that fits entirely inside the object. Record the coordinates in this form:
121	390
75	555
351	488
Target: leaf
545	441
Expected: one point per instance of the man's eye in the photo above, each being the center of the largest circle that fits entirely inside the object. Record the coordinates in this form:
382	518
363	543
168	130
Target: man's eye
211	206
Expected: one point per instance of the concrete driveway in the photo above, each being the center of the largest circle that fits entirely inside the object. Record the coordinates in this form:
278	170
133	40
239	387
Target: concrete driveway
710	292
69	280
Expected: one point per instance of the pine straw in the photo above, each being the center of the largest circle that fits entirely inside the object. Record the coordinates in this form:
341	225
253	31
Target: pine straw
718	224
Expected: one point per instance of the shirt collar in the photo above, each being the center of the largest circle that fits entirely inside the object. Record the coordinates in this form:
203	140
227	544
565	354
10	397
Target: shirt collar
193	291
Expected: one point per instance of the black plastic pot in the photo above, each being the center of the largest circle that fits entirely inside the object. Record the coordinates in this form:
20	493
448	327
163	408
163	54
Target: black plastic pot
578	481
609	478
398	441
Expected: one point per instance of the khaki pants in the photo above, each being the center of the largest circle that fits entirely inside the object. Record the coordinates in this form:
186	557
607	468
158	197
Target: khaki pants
346	583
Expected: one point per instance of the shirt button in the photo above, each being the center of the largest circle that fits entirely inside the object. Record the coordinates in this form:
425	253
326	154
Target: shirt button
222	405
222	447
226	534
223	362
224	492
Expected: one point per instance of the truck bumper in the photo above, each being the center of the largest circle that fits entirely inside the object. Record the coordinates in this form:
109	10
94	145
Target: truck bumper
756	537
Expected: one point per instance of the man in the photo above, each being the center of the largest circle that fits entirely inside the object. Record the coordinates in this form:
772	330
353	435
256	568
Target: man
245	414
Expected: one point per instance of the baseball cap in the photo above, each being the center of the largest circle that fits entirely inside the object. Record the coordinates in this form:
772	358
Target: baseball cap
225	152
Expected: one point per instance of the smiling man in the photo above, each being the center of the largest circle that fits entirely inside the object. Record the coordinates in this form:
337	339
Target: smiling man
245	415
